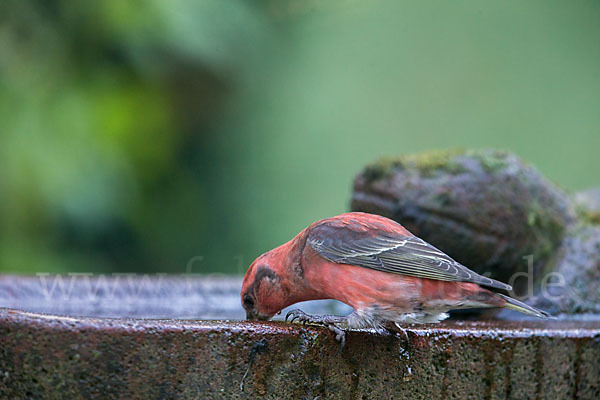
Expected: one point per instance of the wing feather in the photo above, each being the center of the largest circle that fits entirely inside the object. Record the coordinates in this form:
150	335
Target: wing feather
391	252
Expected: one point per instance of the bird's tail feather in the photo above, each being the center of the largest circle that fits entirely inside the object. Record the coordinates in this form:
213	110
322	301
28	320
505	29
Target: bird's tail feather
517	305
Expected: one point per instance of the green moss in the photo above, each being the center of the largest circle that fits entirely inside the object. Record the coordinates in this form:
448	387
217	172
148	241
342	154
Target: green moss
444	160
490	160
593	217
532	218
549	229
425	163
587	216
380	169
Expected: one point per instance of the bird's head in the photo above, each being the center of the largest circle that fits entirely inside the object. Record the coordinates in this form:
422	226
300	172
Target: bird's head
264	292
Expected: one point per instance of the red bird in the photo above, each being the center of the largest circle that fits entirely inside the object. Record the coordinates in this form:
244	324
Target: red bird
373	264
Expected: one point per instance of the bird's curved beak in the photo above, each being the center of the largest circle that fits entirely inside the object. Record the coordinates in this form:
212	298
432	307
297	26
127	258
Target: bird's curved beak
253	316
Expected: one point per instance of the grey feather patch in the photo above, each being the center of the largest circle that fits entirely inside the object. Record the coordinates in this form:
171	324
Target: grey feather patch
395	254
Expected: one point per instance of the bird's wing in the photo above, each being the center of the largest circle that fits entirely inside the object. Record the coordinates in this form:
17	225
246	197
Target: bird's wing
393	252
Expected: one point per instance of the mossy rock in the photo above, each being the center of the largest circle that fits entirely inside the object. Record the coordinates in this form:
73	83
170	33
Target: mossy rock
574	285
487	209
588	205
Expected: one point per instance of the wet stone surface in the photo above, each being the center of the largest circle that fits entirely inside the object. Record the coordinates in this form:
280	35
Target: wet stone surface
54	356
137	296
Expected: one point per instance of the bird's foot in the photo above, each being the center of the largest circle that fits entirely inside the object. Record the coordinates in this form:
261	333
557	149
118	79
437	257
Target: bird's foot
329	321
303	317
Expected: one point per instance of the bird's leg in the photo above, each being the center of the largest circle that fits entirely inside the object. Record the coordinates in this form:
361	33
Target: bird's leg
395	327
329	321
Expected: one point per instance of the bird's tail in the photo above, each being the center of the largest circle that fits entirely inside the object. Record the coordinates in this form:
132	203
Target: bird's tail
517	305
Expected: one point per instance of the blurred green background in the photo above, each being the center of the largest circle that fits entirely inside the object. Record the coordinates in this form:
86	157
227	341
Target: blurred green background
137	135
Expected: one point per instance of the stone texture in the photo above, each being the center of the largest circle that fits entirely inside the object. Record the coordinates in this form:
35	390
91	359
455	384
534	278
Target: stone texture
486	209
63	356
574	287
52	357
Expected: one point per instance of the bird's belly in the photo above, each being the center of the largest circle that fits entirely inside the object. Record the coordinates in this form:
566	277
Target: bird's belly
378	296
363	288
380	318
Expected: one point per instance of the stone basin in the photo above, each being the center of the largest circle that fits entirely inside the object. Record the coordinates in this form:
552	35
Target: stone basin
126	340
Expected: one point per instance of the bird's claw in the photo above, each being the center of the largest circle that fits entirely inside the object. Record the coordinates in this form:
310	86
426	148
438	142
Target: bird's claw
325	320
297	314
340	336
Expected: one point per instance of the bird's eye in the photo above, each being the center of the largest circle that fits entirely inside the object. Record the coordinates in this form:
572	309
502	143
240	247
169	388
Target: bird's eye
248	301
